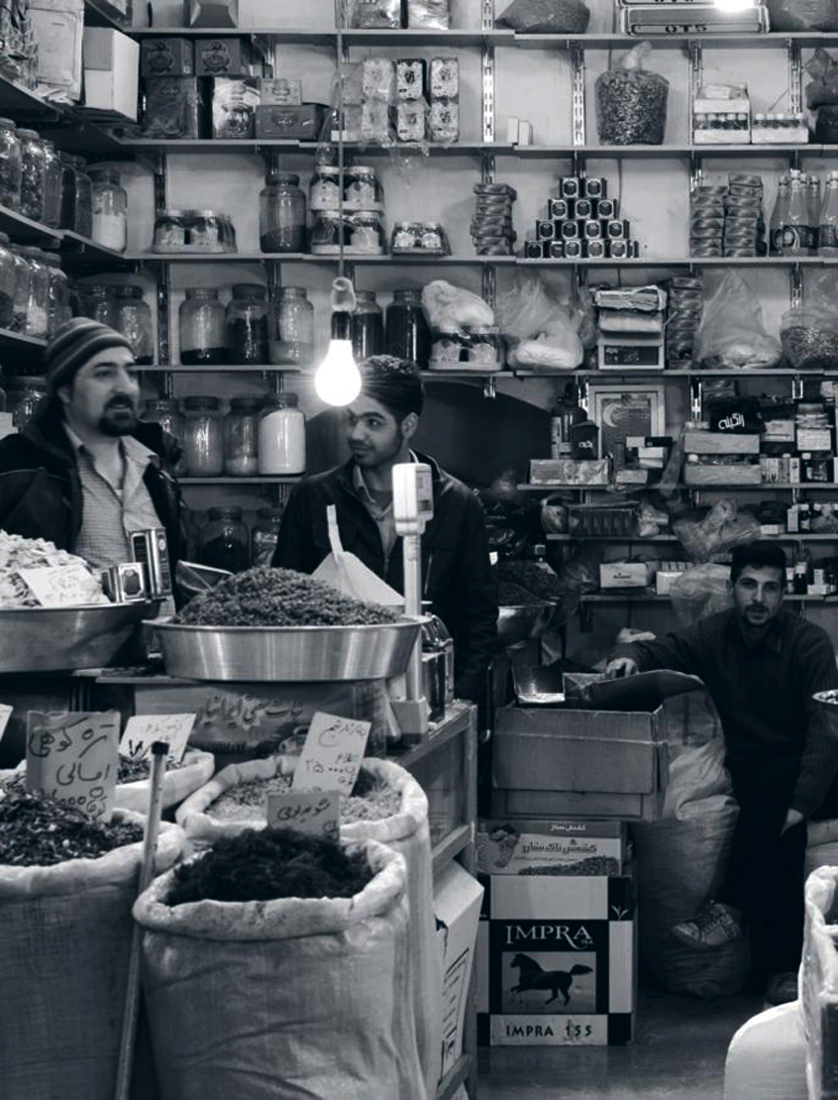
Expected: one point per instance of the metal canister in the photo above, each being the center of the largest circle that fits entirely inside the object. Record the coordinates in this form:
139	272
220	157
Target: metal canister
125	583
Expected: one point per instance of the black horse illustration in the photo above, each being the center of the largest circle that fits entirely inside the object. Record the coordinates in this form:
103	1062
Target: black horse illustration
533	976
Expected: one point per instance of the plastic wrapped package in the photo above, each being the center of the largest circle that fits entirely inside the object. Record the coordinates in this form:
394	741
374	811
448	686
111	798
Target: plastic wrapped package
810	339
718	532
544	330
803	15
732	333
822	90
375	14
631	103
451	308
546	16
701	591
434	15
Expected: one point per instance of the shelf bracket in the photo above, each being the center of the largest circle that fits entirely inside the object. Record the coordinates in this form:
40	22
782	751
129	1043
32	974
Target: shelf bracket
579	121
164	282
696	398
489	284
490	388
796	287
487	74
795	77
797	388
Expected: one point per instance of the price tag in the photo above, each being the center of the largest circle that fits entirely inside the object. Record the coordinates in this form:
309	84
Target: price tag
144	729
63	586
74	758
315	813
5	715
332	754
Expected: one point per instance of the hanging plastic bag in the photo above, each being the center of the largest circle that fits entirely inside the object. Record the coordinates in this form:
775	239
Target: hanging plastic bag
348	574
810	334
803	15
701	591
723	528
293	998
541	330
631	103
733	333
452	309
546	17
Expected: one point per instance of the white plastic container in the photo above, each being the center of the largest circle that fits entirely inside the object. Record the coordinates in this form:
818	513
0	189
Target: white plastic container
282	436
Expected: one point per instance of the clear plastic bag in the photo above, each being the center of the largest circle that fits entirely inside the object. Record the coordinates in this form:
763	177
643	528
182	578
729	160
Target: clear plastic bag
631	103
450	308
546	16
733	333
803	15
719	532
542	330
822	91
810	334
701	591
429	14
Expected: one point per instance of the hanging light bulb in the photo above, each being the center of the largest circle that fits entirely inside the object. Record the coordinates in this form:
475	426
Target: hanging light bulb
337	380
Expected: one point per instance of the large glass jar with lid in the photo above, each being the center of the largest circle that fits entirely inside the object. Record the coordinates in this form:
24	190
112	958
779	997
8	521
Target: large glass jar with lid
282	436
52	186
264	534
203	437
203	328
10	165
97	301
133	320
23	286
248	324
37	315
224	541
33	175
110	209
165	412
58	310
241	437
282	214
84	199
367	326
68	190
24	399
408	334
292	328
7	283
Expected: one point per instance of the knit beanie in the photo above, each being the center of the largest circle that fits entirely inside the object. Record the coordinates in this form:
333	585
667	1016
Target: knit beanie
73	345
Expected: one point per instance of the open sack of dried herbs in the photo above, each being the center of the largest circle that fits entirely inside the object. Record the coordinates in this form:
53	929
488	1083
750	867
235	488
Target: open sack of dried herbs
255	993
67	885
82	585
386	805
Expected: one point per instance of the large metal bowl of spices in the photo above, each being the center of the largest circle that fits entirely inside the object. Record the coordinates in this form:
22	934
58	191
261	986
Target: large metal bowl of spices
288	653
63	639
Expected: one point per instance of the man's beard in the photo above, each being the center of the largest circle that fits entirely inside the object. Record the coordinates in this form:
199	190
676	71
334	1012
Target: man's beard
123	423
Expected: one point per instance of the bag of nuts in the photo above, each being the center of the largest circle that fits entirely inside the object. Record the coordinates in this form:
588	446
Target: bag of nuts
631	103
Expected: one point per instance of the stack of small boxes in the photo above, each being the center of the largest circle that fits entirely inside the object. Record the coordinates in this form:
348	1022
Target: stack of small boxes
410	100
582	223
631	328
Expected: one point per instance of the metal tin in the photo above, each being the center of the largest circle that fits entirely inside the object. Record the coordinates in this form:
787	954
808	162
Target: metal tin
151	550
125	583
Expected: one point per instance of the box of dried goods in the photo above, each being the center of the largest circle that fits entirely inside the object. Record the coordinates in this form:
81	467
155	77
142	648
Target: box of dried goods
551	847
167	57
172	107
223	57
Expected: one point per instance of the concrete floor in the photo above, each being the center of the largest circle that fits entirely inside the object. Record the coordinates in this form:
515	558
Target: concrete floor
679	1054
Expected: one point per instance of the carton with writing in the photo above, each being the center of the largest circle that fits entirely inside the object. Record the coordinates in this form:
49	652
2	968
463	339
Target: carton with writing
566	847
457	898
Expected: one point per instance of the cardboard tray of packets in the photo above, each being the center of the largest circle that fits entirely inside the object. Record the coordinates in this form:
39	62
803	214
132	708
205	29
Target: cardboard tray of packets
601	754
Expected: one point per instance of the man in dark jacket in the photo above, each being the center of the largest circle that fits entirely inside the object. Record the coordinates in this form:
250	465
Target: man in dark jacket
456	572
85	472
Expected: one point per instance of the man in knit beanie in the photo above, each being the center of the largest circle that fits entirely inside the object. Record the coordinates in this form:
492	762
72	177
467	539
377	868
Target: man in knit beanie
86	471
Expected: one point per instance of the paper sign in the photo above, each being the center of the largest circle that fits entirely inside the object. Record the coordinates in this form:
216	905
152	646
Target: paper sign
63	586
332	754
74	758
5	715
315	813
144	729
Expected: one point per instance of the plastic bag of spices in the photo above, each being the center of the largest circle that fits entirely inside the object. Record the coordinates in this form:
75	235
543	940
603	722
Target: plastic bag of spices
733	333
631	103
65	940
393	810
546	16
287	998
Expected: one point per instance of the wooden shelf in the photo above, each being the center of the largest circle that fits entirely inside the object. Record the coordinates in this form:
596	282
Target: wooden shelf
180	368
210	481
24	229
456	841
99	13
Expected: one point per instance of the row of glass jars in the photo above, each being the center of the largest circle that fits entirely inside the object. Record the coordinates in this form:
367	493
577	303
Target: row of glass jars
249	330
258	436
34	291
225	543
406	334
283	211
122	308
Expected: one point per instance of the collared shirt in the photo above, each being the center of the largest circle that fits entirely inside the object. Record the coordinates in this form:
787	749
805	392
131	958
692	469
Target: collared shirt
763	691
381	513
110	512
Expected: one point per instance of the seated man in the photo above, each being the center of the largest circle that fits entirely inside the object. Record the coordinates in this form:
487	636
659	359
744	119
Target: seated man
762	665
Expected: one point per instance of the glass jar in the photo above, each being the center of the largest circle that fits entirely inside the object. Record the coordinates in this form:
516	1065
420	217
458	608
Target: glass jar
23	286
58	308
224	541
165	412
292	339
408	335
241	437
282	436
84	199
169	231
52	186
330	232
366	232
264	535
37	317
110	210
97	301
367	326
10	165
282	214
32	180
324	192
203	437
68	191
486	346
203	328
7	283
248	325
25	396
363	191
133	320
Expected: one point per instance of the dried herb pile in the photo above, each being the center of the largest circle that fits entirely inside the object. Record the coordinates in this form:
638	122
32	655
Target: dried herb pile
369	801
513	595
541	582
130	771
279	597
267	864
38	831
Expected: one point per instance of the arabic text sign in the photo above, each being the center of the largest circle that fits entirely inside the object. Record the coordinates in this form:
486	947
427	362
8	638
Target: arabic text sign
74	758
332	754
143	730
316	813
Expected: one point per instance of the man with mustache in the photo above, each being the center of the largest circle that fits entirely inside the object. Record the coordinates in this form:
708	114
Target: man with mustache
86	472
762	665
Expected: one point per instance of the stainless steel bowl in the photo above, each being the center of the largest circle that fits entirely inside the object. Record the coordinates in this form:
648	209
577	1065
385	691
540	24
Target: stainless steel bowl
288	653
61	639
520	624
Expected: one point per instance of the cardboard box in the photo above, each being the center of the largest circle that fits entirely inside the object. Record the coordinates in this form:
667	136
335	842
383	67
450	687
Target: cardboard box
569	471
556	961
303	122
167	57
720	443
457	900
111	71
626	574
593	804
281	91
173	107
723	474
543	847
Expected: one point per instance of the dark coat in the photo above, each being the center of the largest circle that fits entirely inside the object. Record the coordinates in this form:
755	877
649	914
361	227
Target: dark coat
456	574
40	488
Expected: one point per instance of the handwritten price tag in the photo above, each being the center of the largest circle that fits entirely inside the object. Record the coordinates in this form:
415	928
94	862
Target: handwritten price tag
74	758
144	729
332	754
5	715
315	813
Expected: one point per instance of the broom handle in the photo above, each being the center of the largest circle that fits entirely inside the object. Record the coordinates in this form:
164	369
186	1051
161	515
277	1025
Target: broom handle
159	750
